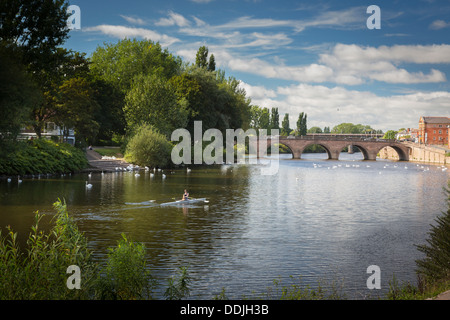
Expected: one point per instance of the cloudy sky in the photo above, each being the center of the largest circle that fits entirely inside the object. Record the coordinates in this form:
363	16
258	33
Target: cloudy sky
317	57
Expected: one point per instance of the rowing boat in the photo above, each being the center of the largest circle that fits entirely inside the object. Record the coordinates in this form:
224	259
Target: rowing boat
184	202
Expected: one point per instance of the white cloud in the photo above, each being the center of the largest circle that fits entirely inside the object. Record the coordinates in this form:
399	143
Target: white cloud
132	20
172	20
353	64
439	24
257	92
330	106
129	32
350	65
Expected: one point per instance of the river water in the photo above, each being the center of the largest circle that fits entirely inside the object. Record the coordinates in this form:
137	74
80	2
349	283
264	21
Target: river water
321	220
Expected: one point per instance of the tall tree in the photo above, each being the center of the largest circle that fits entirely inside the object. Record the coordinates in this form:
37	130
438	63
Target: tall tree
302	128
36	28
212	63
201	58
285	129
18	94
274	119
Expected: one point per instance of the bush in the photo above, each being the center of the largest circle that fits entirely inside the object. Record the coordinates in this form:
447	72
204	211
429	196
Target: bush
126	274
148	148
40	272
42	156
435	266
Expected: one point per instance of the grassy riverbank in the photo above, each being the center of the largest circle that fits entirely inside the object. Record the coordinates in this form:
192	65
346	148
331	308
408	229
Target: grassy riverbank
41	156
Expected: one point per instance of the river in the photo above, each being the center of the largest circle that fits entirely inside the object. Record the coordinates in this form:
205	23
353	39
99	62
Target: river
321	220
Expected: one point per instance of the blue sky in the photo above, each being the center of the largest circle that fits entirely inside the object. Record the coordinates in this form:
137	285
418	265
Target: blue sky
317	57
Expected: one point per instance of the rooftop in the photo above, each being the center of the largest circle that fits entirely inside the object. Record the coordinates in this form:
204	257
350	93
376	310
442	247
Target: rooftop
442	120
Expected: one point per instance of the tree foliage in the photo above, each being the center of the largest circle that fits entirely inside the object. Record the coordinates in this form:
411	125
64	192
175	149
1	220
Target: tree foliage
148	148
352	128
119	63
302	128
285	129
435	266
18	94
153	101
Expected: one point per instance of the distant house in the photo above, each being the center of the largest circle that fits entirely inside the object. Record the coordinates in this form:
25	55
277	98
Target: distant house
434	130
408	134
51	131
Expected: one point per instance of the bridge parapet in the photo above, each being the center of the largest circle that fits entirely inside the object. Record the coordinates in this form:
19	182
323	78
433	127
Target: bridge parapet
335	138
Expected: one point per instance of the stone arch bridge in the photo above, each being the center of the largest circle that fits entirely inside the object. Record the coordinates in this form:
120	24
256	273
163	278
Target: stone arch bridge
333	145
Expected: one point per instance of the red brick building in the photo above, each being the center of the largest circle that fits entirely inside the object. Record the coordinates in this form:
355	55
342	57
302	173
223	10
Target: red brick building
434	130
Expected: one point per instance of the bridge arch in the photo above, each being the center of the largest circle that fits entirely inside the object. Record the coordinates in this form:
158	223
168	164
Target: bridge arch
403	153
363	150
323	145
281	145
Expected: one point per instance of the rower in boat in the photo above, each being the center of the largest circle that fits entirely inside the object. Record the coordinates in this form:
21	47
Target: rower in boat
185	195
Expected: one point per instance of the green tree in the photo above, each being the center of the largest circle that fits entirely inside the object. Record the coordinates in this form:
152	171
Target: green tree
38	27
153	101
76	108
301	124
212	63
314	130
148	147
390	134
326	130
18	94
201	58
70	65
109	114
119	63
218	102
264	119
347	127
435	266
275	119
285	129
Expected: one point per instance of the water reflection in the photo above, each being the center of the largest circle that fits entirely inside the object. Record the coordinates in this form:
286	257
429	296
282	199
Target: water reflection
317	218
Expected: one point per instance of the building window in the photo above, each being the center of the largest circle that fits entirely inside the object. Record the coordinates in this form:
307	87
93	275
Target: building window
434	131
440	131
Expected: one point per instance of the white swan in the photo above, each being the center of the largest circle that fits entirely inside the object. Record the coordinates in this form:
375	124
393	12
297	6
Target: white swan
18	179
163	176
88	185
